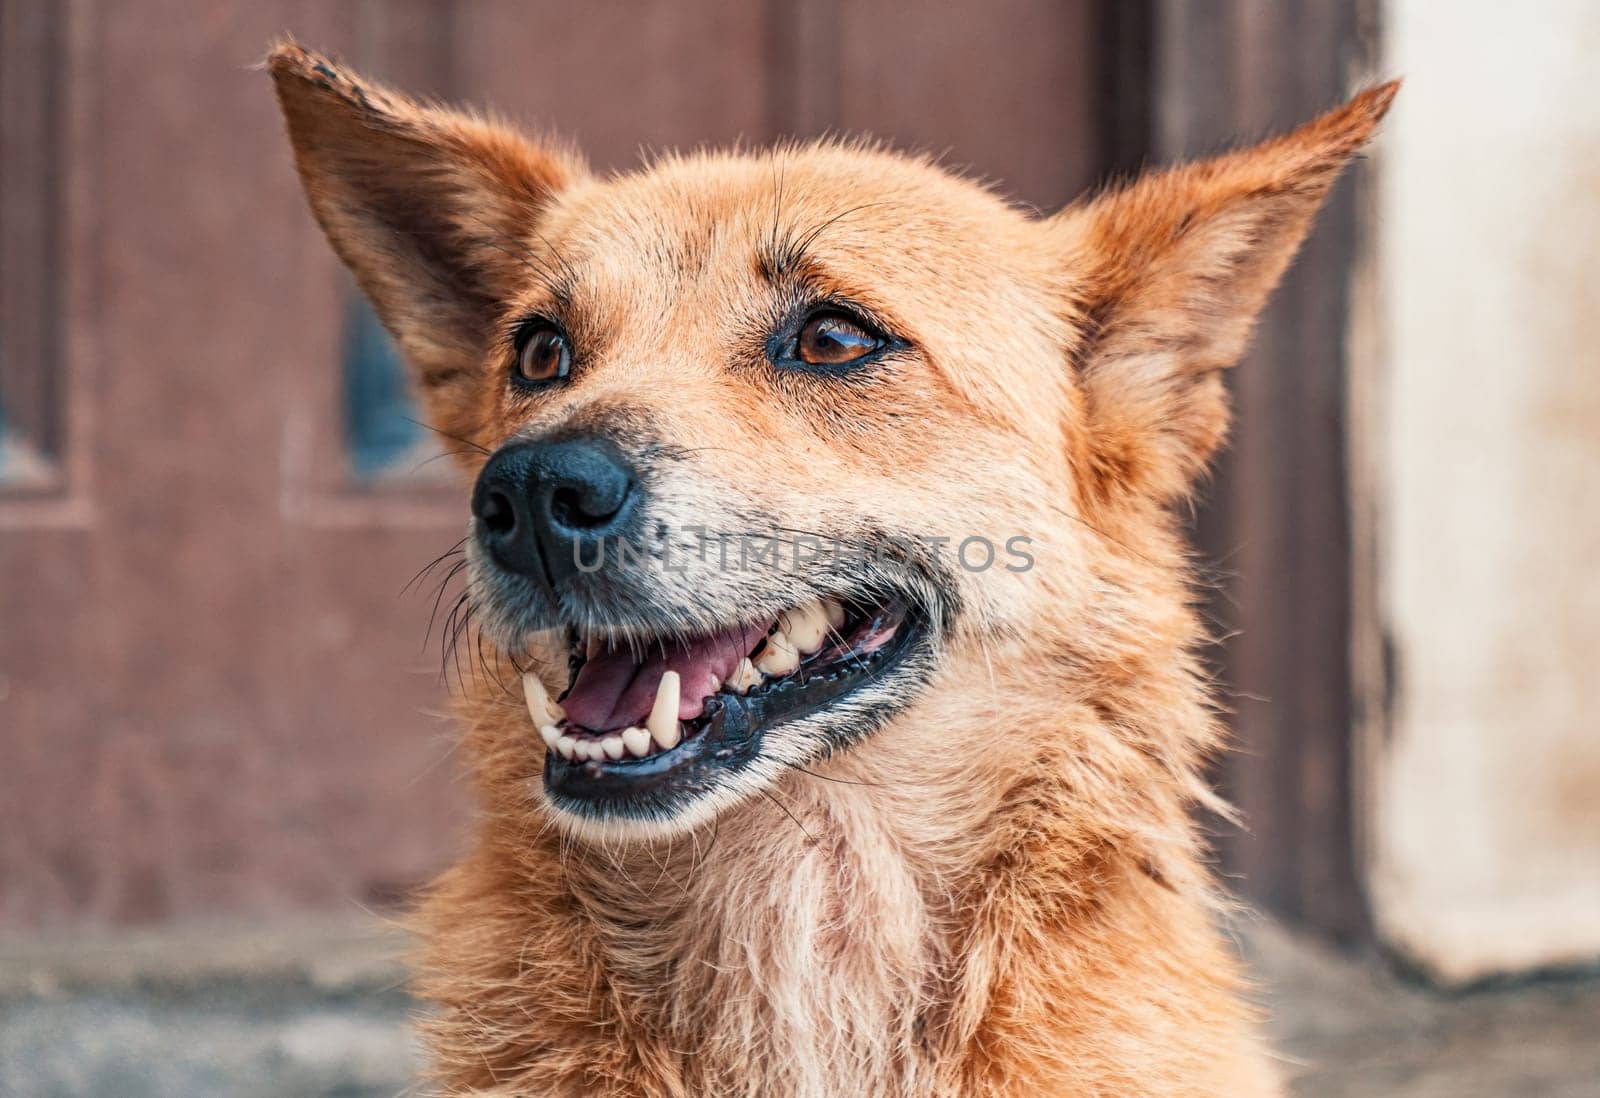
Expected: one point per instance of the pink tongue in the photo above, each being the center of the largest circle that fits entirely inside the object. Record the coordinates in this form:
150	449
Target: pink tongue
613	691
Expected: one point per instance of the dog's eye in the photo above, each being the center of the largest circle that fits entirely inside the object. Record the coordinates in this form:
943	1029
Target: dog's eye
543	355
834	339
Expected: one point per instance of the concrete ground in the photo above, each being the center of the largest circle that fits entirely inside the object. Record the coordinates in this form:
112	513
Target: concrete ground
1350	1027
317	1010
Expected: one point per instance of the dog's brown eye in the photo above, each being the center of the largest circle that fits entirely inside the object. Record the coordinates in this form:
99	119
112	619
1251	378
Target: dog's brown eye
545	355
833	339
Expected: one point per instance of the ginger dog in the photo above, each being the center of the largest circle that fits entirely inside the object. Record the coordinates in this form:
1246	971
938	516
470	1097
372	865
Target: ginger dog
870	818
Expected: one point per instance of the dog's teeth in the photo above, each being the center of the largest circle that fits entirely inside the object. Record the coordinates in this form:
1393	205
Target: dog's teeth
663	719
716	684
567	748
834	612
744	676
550	734
612	746
637	741
779	656
592	750
592	648
540	707
805	626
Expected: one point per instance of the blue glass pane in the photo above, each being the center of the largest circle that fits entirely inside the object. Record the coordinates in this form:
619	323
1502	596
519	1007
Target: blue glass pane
378	409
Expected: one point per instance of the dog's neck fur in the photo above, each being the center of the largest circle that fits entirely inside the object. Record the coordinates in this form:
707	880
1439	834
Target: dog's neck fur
882	925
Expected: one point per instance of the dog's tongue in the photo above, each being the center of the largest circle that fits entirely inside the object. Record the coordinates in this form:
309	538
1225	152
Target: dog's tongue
616	689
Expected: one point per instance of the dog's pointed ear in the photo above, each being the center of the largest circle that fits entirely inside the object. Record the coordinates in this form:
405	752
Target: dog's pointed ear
1167	276
429	208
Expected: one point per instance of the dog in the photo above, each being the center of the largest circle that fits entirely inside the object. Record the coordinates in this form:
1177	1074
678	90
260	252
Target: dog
840	720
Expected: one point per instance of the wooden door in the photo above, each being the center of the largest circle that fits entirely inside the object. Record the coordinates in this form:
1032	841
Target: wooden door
1277	525
212	697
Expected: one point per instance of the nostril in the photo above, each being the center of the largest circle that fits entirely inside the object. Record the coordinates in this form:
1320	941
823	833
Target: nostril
496	513
584	507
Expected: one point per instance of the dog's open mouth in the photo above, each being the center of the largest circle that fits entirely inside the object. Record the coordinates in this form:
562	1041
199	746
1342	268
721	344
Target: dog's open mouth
647	715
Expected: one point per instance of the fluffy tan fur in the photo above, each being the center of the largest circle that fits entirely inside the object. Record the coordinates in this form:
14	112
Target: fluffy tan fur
1001	892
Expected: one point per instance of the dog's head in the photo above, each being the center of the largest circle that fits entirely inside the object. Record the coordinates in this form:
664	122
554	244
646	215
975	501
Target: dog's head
769	445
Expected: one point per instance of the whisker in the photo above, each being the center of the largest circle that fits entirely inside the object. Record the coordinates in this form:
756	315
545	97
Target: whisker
768	794
797	249
425	462
447	434
841	781
456	623
422	572
438	598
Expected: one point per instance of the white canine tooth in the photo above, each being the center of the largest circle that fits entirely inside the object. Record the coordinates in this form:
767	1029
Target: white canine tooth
612	747
550	734
806	626
592	649
567	747
637	741
744	676
834	612
663	719
716	684
540	707
779	656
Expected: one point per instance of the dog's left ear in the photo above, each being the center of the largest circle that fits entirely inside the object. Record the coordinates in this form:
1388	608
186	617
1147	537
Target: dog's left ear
431	210
1167	276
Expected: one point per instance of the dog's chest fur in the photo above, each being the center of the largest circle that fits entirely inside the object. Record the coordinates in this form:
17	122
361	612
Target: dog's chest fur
816	980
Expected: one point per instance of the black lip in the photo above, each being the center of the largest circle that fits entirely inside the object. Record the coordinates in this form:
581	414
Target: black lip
657	784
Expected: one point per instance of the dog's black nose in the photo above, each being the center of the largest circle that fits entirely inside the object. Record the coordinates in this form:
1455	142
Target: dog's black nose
543	508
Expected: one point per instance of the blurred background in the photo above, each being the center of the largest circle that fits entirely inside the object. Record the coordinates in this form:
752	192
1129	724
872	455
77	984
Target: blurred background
223	756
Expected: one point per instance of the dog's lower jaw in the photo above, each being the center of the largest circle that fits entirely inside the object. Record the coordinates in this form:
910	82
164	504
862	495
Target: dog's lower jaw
852	936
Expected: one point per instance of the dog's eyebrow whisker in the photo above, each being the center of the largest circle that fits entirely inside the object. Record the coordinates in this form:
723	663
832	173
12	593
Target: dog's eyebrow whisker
515	249
794	251
569	272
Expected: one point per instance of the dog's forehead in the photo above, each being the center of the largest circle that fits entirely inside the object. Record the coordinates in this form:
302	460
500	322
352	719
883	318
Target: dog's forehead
861	210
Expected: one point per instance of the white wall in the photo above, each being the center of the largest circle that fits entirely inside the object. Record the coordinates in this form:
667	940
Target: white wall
1484	791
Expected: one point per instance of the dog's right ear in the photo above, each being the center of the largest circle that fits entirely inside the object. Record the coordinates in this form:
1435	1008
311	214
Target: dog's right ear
430	209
